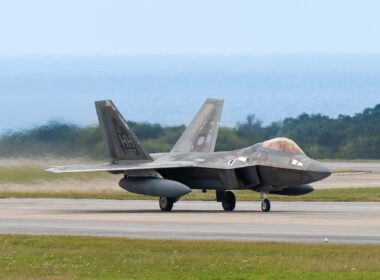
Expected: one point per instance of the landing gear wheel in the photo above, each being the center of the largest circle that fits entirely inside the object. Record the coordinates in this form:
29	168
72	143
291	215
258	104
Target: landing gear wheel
229	201
166	203
265	205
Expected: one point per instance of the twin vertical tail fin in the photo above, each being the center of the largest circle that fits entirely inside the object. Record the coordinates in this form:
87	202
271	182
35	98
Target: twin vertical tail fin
201	134
120	141
123	144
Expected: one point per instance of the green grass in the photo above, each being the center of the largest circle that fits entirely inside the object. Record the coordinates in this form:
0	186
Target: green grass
55	257
349	171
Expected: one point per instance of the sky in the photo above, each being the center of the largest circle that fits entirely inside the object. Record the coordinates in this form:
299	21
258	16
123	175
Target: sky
213	27
58	57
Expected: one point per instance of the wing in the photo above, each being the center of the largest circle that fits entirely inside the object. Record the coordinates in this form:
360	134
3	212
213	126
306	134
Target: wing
201	134
218	160
119	166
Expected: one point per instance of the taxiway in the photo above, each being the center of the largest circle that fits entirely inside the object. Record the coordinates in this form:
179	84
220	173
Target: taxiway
340	222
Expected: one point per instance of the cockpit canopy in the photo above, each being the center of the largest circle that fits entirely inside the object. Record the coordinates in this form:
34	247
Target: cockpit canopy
283	145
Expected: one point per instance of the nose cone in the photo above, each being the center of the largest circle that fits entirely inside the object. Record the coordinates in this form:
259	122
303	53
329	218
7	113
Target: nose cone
318	170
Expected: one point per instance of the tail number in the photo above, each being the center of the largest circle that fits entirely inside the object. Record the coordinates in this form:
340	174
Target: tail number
127	144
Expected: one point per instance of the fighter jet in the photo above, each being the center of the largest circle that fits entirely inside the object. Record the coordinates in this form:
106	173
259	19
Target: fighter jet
277	166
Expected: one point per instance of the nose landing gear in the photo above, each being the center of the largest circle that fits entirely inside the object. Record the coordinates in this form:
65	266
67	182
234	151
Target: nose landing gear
265	203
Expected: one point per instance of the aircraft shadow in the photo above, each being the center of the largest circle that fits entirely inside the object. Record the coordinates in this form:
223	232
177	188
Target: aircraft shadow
122	211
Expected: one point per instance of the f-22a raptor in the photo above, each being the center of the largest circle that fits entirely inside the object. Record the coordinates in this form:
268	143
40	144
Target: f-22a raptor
276	166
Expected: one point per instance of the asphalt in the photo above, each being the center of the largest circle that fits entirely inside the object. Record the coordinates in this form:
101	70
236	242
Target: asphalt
349	180
340	222
351	174
366	166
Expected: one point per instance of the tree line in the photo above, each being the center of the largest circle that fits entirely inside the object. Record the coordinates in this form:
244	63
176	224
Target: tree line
323	137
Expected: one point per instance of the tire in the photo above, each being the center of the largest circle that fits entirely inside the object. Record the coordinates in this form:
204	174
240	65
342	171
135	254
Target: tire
265	205
229	201
166	203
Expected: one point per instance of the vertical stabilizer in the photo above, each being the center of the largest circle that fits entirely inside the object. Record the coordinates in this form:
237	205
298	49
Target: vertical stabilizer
120	141
201	134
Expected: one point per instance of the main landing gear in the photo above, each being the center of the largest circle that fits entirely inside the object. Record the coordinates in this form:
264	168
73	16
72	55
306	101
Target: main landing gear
227	199
229	202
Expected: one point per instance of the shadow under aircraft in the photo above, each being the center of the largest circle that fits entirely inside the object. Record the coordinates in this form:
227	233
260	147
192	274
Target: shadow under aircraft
277	166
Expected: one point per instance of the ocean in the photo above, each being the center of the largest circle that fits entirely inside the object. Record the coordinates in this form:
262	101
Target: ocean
170	89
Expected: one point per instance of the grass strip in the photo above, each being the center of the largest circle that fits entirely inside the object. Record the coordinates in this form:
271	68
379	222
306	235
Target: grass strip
62	257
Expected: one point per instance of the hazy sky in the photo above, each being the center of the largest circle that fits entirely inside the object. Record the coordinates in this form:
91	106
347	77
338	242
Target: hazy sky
91	27
66	54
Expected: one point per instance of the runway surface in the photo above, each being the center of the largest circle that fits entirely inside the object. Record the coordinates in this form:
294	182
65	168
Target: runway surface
349	180
289	221
366	175
371	166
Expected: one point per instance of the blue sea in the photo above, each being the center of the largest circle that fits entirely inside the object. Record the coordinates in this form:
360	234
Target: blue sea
170	89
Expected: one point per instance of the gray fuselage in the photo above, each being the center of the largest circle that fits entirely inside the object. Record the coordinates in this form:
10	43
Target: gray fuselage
256	167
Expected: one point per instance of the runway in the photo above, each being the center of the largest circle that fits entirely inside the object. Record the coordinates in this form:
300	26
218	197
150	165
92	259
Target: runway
367	166
366	175
289	221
